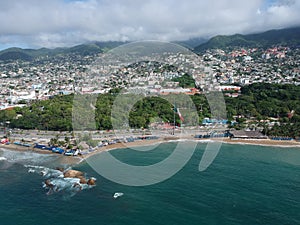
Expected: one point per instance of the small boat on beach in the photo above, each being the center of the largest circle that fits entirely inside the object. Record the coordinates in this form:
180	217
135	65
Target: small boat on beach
69	153
58	150
72	152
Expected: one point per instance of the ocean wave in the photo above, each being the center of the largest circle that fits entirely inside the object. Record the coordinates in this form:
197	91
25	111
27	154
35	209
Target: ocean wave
4	164
3	158
193	140
44	171
207	141
54	180
26	157
264	144
178	140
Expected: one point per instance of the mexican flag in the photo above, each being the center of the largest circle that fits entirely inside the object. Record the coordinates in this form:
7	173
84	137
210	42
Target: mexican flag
176	110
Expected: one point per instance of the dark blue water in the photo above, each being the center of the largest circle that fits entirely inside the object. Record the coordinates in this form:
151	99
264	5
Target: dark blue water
244	185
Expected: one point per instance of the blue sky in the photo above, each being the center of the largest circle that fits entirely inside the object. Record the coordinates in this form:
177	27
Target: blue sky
57	23
270	2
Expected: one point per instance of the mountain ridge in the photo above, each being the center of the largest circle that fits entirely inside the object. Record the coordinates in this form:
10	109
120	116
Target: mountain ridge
287	36
16	53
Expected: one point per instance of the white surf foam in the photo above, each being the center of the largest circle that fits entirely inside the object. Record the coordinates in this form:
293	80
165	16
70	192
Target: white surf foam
26	157
56	182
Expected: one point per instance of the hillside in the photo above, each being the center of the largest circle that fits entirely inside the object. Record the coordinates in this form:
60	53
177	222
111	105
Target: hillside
192	43
11	54
289	37
15	54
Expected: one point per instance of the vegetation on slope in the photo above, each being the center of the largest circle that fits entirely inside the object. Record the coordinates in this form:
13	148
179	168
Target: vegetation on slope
285	37
259	102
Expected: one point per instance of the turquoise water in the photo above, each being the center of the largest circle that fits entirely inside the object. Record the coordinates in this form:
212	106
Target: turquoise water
244	185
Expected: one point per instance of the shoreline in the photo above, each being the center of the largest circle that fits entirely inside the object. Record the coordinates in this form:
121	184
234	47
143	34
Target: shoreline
264	142
75	160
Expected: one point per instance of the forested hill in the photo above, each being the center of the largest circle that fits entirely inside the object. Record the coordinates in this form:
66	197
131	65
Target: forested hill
31	54
288	37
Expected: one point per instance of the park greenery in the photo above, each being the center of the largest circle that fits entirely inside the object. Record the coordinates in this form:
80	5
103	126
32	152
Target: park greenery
185	81
258	103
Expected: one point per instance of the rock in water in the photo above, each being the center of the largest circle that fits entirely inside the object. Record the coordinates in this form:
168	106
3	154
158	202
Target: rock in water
91	181
83	180
73	174
48	183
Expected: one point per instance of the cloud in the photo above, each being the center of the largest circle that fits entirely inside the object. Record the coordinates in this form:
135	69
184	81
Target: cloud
283	13
53	23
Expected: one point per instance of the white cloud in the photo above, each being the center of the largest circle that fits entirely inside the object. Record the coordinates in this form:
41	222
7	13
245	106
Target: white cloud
52	23
284	13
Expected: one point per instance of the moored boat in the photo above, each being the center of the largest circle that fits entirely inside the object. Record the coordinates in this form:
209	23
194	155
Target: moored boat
118	194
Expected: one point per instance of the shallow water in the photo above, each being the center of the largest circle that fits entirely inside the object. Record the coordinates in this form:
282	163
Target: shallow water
244	185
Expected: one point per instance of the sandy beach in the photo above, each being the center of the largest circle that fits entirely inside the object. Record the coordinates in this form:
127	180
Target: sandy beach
265	142
71	160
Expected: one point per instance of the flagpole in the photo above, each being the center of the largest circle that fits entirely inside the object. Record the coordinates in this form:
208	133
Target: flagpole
180	121
174	119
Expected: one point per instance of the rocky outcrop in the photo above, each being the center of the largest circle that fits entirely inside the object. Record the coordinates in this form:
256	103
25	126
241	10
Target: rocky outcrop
48	183
91	181
79	175
83	180
73	174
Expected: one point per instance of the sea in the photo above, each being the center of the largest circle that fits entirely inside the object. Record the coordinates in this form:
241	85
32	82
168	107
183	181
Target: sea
245	184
